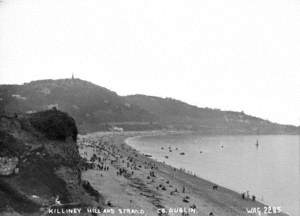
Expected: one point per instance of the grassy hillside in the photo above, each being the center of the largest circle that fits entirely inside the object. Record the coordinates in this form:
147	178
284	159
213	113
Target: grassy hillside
177	114
93	107
96	108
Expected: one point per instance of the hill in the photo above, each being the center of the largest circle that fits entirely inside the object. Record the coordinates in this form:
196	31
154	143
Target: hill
179	115
40	162
93	107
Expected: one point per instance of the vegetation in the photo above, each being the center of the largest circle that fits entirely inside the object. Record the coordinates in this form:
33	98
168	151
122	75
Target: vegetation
48	163
54	124
179	115
95	108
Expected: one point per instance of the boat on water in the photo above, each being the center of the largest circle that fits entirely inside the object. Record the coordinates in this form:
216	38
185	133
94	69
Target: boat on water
257	144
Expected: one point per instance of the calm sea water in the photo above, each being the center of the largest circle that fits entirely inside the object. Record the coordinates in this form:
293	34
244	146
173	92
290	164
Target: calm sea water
270	171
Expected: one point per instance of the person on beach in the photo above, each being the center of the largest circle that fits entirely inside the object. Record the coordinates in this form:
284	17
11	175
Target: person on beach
247	195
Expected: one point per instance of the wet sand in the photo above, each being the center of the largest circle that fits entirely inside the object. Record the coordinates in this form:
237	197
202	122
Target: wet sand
135	184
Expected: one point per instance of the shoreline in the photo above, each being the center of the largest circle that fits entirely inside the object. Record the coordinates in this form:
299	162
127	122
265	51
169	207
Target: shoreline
204	194
188	172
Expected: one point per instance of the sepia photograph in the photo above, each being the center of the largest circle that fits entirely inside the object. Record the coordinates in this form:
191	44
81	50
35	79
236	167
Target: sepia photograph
149	108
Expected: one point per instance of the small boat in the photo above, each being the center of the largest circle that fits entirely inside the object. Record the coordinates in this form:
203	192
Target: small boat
182	153
147	155
166	157
257	144
201	152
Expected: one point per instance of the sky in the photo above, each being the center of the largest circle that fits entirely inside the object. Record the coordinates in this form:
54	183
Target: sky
240	55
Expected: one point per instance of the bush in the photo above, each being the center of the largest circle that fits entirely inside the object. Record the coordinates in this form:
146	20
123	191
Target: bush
54	124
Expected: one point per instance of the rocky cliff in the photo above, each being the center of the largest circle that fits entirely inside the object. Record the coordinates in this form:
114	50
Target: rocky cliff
39	163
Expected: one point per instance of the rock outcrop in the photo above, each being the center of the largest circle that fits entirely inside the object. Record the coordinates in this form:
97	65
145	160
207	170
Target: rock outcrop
39	163
8	165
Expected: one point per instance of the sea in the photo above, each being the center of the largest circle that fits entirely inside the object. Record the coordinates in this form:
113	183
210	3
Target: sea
265	165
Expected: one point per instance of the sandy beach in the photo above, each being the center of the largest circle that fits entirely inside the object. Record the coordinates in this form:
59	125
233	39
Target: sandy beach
134	184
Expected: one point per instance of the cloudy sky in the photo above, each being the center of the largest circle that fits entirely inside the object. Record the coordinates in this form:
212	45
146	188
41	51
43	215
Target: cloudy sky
228	54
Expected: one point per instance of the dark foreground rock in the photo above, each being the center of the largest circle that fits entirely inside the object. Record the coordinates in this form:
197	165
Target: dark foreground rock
39	164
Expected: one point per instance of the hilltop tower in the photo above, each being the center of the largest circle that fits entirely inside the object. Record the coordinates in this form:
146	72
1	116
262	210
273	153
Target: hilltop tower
72	76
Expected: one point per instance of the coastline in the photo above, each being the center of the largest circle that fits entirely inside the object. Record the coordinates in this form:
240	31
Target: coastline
154	193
